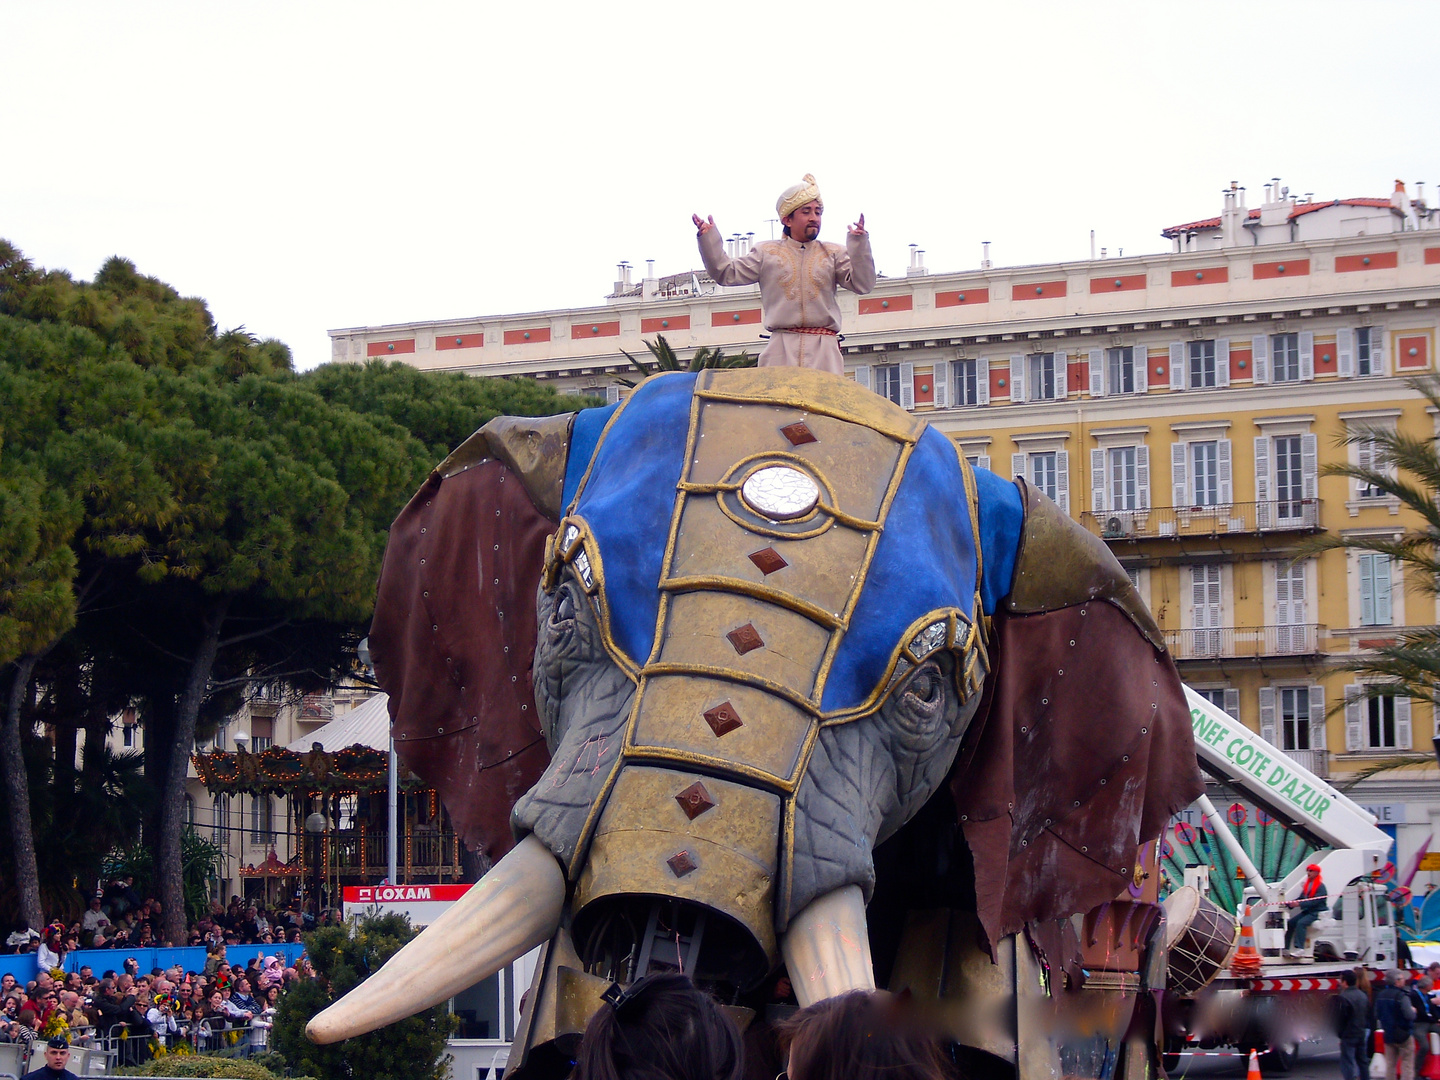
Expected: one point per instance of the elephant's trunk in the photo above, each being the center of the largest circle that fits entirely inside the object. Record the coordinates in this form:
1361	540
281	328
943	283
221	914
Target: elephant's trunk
827	947
513	908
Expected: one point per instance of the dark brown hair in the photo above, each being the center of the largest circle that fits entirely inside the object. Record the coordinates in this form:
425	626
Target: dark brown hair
664	1028
861	1036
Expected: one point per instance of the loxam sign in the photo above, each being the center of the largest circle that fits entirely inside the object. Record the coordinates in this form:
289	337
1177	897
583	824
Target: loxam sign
422	903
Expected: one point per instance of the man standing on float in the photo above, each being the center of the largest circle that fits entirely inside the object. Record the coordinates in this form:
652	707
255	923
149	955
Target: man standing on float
798	276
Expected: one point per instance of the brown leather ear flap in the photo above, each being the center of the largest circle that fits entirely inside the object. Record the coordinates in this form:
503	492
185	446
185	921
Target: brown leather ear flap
453	641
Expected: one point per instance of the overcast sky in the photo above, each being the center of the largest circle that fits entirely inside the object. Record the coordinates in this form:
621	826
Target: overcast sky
308	166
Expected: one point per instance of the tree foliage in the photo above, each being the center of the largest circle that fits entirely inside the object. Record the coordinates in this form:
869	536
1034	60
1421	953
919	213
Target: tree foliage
666	359
344	956
183	515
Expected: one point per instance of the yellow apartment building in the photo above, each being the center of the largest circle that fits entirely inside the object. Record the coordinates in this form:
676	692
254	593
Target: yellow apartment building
1182	405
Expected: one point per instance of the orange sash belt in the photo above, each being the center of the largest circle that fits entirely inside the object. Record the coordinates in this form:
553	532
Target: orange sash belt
807	330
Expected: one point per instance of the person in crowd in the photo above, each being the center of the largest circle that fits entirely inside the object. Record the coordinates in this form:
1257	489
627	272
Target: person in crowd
662	1027
50	954
57	1056
20	937
94	917
162	1018
862	1035
1395	1013
1425	1016
25	1028
1352	1024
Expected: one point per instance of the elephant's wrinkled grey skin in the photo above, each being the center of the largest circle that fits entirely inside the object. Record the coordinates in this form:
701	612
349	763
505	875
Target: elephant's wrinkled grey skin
865	779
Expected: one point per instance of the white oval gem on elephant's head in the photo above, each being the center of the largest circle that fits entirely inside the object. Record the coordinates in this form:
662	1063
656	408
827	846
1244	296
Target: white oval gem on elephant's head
780	492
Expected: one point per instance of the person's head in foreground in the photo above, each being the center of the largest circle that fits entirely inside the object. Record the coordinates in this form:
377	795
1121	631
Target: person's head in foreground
801	210
861	1035
663	1028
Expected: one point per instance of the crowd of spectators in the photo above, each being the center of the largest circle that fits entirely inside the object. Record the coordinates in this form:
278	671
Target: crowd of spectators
119	919
139	1014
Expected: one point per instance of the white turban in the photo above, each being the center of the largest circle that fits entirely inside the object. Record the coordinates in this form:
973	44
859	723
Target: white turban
798	195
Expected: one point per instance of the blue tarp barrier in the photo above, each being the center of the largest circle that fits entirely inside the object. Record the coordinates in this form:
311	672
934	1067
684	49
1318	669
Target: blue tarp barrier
191	958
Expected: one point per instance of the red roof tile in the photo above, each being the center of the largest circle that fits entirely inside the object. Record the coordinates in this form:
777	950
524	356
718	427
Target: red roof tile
1296	211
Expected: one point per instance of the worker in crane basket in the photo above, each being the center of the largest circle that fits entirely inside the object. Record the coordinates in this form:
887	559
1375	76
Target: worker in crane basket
1311	903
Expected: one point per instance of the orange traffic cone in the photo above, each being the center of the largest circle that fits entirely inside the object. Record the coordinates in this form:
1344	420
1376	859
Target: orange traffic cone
1253	1073
1378	1069
1246	964
1431	1069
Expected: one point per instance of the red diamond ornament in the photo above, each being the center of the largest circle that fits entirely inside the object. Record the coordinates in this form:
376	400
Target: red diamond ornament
695	800
798	433
723	719
745	639
768	560
682	863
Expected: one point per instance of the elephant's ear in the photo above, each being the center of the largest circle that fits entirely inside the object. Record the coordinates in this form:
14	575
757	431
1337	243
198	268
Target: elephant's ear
1083	748
453	637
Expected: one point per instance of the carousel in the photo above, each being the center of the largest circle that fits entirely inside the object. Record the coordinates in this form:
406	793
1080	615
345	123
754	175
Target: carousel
335	782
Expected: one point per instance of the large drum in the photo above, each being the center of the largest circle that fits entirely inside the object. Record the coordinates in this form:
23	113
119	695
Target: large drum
1201	940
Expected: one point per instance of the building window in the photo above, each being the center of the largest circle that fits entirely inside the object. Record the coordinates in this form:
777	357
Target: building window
1042	473
1366	354
127	735
1375	723
1294	717
1366	457
1048	471
887	381
1289	476
220	820
261	820
1120	369
1041	371
1226	699
1206	610
1285	357
1202	365
1205	468
1124	486
972	382
1373	572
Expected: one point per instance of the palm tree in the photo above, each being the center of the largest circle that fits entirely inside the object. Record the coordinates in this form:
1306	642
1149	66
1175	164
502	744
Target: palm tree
666	360
1405	468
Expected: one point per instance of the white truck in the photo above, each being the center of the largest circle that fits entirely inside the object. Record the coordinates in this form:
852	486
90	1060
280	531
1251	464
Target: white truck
1280	1004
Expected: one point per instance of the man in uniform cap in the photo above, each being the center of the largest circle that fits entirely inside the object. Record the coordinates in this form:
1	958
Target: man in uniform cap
57	1056
798	276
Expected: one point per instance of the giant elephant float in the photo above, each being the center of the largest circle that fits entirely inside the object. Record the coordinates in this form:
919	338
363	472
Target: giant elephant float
755	670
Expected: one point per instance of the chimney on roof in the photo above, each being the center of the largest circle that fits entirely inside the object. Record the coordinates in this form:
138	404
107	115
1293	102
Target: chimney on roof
1231	217
1401	202
917	262
985	263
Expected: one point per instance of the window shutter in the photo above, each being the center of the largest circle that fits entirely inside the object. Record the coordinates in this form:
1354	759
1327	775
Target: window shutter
907	386
1307	356
1017	379
1142	476
1317	717
1179	495
1262	481
1353	737
1309	467
1365	571
1383	586
1062	479
1098	503
1232	702
1097	373
1222	459
1222	362
982	461
1377	351
1402	723
1260	359
1017	467
612	394
940	380
1177	365
1062	375
1267	714
982	381
1364	459
1345	353
1142	369
862	375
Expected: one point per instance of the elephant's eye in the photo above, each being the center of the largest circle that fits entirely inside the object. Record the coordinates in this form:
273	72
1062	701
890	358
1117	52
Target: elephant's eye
565	610
925	686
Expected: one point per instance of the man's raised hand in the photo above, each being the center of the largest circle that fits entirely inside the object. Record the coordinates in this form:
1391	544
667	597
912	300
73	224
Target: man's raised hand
709	223
858	229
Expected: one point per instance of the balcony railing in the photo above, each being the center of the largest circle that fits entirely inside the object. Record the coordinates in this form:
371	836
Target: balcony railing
1317	761
1238	642
1182	521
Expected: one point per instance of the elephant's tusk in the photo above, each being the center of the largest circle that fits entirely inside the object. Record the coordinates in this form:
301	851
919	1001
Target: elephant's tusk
827	947
509	911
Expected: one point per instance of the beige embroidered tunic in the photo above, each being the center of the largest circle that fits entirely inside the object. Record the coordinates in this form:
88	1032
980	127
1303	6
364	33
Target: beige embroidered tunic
797	289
